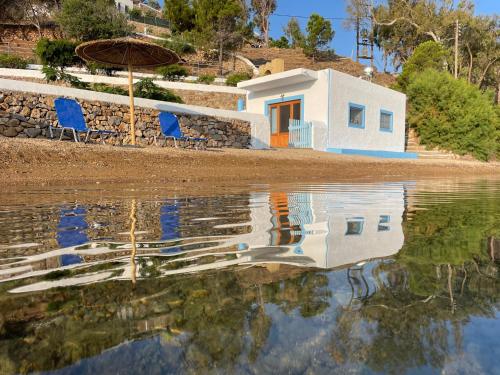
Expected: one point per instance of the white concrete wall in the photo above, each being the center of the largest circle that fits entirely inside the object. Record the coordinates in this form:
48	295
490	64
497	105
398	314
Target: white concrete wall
315	98
348	89
121	4
259	124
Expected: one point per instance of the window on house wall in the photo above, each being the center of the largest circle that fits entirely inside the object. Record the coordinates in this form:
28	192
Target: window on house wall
383	223
386	118
356	116
355	226
126	8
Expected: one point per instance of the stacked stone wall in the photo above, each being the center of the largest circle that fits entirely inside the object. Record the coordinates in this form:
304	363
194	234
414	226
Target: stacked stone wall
27	115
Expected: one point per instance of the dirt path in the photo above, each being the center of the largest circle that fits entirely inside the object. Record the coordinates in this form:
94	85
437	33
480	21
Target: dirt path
35	162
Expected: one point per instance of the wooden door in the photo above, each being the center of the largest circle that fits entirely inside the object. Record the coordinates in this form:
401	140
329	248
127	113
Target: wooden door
280	115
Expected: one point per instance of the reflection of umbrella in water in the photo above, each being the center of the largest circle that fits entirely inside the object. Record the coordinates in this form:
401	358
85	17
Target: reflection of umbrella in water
130	53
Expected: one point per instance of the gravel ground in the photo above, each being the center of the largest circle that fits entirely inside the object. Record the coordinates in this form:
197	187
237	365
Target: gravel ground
35	162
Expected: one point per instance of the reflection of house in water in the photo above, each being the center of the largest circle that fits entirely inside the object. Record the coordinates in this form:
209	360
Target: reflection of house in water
344	225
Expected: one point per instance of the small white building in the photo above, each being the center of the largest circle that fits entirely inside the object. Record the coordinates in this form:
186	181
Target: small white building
328	111
124	5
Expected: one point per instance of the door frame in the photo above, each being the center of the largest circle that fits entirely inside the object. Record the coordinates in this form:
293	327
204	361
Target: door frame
284	99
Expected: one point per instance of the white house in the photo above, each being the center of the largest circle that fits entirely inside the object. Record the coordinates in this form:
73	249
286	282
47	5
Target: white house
328	111
124	5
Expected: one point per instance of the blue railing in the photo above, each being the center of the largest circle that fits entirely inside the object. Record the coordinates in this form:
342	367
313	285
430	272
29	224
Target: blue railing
300	134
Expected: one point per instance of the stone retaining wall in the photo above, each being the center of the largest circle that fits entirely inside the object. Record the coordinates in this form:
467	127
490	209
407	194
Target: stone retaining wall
29	116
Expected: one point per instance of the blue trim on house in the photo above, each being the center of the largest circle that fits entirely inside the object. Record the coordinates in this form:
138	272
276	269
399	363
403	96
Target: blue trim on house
385	112
267	103
358	106
374	153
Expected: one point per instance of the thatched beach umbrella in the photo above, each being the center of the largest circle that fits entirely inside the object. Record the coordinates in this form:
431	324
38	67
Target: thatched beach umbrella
130	53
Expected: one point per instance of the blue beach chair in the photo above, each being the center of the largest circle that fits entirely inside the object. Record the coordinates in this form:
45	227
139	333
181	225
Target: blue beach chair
170	129
70	116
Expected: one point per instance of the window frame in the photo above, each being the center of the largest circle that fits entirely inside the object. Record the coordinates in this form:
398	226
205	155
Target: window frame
386	112
356	219
363	116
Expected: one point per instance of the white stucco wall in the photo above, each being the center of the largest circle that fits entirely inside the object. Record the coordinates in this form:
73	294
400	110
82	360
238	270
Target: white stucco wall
326	104
315	97
121	4
348	89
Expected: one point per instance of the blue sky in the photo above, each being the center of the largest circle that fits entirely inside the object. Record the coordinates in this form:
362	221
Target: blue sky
344	42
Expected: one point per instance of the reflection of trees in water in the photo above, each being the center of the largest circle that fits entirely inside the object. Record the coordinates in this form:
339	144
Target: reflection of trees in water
210	314
444	275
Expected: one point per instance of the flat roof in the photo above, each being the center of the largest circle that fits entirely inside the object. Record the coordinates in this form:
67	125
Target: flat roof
290	77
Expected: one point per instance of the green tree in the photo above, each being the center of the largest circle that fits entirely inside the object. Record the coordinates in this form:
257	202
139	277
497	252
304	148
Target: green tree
88	20
279	43
294	33
220	24
263	10
452	115
319	35
180	14
428	55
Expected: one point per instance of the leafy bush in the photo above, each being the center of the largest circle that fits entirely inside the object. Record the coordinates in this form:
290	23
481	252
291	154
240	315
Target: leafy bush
428	55
173	72
95	68
53	74
102	87
235	78
280	43
146	88
12	62
58	53
207	79
88	20
453	115
179	46
135	13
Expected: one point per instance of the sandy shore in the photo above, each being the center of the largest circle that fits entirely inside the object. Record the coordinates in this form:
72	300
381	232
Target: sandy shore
44	162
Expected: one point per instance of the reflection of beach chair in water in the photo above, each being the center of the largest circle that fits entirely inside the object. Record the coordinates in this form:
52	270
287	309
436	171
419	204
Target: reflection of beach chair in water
71	232
170	224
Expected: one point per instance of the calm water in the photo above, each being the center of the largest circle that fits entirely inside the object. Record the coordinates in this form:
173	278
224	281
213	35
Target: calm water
346	278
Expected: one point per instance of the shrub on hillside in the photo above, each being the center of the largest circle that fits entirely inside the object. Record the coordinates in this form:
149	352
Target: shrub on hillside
173	72
146	88
59	53
179	45
206	79
135	13
102	87
280	43
428	55
12	62
88	20
453	115
235	78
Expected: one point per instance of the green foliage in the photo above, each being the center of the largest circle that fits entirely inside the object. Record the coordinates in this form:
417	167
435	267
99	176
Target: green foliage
262	11
207	79
146	88
428	55
102	87
12	62
53	74
319	35
173	72
135	13
280	43
95	68
179	45
235	78
58	53
452	115
180	14
88	20
294	33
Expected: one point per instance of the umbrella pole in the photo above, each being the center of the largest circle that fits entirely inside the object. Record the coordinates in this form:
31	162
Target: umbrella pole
131	96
